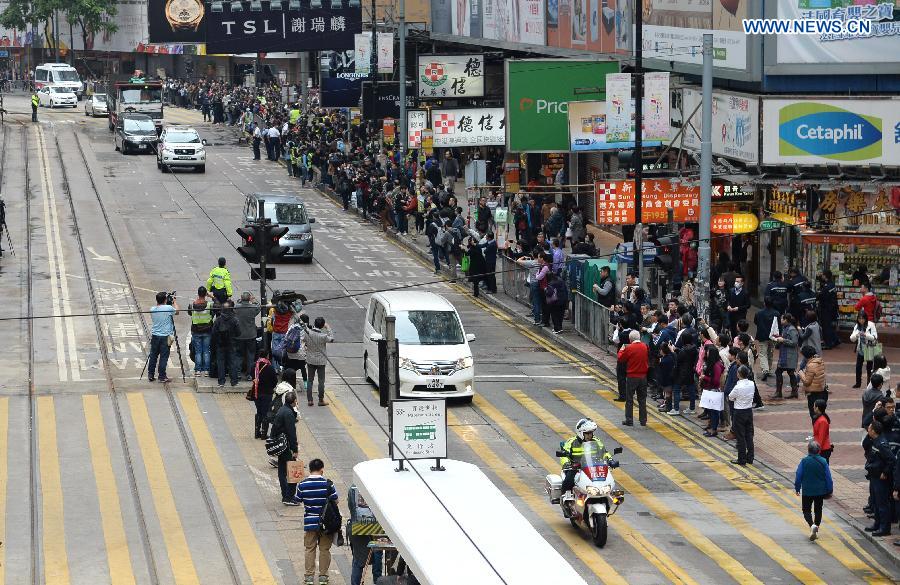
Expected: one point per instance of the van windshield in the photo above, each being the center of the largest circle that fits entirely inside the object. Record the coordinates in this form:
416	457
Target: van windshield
65	75
287	213
147	95
428	328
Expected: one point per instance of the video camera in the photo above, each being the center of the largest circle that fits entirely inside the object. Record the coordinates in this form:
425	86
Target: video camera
171	296
289	297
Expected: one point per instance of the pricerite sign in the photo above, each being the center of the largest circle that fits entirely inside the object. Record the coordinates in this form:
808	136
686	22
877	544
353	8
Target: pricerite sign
846	132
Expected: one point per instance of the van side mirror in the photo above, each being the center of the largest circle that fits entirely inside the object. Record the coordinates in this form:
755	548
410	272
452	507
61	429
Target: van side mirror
470	337
617	450
376	337
312	220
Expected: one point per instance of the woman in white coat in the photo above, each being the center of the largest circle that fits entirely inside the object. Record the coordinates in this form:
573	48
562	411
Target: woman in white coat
865	336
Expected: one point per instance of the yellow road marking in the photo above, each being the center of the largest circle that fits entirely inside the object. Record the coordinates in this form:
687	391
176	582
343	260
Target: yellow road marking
356	430
53	527
169	522
582	548
244	537
698	540
659	559
775	551
120	570
4	454
831	544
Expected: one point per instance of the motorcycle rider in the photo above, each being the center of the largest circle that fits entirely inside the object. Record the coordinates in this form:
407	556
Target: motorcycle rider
574	446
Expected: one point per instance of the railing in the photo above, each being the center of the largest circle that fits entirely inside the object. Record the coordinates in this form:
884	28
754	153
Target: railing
591	320
513	280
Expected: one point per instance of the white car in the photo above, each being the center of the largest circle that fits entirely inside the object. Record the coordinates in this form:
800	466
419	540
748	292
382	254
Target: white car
96	105
180	146
53	95
435	358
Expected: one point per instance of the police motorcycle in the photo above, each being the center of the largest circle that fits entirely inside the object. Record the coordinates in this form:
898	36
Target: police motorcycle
594	496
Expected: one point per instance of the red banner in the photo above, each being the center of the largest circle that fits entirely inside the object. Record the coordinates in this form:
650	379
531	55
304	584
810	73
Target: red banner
615	201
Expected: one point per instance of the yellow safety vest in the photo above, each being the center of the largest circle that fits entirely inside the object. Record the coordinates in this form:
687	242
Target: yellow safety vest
219	279
34	100
202	317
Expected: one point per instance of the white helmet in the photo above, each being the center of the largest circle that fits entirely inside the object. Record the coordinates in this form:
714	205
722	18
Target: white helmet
583	426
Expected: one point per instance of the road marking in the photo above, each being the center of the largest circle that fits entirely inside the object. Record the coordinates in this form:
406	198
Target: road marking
247	543
60	257
169	522
98	256
354	429
120	569
765	543
659	559
4	461
583	548
697	539
53	525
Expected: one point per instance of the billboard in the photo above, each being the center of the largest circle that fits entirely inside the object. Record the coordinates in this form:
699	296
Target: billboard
514	21
538	93
309	29
582	24
449	76
178	21
735	124
387	102
416	123
339	92
589	128
465	18
614	201
879	47
469	127
673	31
441	16
818	132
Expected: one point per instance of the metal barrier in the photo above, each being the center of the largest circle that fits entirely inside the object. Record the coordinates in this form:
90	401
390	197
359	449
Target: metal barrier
513	280
591	320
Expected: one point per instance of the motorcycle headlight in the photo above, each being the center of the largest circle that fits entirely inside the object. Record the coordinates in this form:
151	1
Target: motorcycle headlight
604	490
405	363
593	491
463	363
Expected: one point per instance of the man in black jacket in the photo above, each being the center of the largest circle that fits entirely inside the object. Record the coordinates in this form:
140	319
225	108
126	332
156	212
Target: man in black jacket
738	303
777	292
286	422
685	360
828	310
225	332
763	320
879	465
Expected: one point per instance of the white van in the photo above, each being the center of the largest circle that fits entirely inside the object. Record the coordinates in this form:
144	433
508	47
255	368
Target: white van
435	358
60	75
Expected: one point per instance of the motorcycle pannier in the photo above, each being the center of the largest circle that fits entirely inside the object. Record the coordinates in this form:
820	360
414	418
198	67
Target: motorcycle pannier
553	486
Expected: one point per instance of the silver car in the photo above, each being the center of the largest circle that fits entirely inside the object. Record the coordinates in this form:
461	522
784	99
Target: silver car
181	146
289	211
96	105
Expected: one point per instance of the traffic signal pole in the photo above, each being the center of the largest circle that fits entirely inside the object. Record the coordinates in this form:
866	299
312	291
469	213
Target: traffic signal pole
701	297
262	272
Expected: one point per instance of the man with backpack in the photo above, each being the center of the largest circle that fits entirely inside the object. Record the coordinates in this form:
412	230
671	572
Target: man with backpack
225	333
321	520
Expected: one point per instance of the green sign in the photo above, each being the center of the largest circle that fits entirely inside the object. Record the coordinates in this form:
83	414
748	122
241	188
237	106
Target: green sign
537	95
770	224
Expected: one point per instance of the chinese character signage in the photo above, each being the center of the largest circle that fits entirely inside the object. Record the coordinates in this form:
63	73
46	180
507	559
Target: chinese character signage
418	429
818	132
330	27
450	76
857	208
470	127
588	128
615	202
735	124
416	123
786	204
733	223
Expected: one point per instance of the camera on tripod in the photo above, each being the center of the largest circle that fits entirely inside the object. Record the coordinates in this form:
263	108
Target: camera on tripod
170	297
290	298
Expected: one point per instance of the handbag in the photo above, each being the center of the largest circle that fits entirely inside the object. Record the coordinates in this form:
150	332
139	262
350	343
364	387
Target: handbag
465	263
872	350
275	446
712	400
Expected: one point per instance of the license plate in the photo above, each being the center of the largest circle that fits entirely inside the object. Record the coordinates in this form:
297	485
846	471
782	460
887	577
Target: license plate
435	384
142	146
184	157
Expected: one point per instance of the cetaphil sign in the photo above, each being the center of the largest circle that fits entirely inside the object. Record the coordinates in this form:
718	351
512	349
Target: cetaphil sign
847	132
538	92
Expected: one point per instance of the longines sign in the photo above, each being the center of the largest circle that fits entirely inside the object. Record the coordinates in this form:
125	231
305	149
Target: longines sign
329	26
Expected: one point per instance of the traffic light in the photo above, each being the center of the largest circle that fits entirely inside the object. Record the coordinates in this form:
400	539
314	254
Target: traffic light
253	249
273	250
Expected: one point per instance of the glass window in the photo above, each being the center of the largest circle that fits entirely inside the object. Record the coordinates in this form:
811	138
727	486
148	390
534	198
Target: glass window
287	213
429	328
100	98
378	318
65	75
41	75
61	90
145	95
132	125
183	137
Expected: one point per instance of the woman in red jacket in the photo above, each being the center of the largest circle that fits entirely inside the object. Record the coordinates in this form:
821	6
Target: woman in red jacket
822	429
710	379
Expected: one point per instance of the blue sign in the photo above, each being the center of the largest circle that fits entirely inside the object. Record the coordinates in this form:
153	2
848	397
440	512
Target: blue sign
4	53
811	128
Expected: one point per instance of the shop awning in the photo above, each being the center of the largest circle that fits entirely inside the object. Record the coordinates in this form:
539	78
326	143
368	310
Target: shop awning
851	238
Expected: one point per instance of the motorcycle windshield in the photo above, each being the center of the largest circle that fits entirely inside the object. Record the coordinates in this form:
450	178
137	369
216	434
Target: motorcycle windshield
593	462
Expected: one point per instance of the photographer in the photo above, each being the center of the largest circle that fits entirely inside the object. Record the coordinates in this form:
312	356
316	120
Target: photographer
162	330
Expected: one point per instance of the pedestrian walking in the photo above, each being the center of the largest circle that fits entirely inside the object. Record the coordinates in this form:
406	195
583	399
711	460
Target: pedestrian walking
742	417
296	360
264	380
865	336
225	332
812	379
822	429
279	320
286	422
162	330
787	343
246	310
826	297
813	483
201	315
635	356
317	340
313	492
766	322
219	282
879	467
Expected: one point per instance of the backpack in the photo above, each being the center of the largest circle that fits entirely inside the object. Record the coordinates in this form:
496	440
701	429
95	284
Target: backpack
330	521
278	349
293	340
552	294
877	311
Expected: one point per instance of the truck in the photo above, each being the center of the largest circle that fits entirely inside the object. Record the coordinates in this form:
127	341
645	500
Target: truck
135	96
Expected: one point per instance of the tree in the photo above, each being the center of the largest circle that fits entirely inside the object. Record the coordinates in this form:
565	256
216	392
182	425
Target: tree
93	16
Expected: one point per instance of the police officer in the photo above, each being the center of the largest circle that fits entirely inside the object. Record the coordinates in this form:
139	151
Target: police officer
574	447
806	300
777	292
34	106
219	282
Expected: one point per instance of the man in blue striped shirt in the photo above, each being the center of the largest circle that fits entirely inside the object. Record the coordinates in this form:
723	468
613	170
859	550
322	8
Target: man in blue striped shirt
313	492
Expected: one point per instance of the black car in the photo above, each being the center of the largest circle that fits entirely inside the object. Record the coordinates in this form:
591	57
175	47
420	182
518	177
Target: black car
135	132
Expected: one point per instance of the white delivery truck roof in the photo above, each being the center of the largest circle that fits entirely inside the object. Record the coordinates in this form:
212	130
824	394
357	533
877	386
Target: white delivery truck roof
434	546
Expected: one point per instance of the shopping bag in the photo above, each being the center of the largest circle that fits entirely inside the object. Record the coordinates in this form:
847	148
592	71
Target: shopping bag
464	264
774	331
870	351
712	400
295	471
